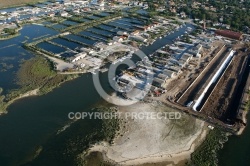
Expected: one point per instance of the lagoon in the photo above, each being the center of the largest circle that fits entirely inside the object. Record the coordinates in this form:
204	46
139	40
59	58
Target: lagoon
41	123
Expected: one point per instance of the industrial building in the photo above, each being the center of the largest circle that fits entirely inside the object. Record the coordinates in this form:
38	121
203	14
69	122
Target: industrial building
77	57
229	34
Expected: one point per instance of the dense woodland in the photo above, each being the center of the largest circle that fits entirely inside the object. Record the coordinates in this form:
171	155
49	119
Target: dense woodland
231	12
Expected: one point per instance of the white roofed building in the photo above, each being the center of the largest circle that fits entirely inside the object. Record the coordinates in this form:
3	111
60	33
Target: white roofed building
169	73
78	57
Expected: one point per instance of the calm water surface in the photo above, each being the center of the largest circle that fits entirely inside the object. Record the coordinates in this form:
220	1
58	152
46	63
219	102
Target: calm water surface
32	123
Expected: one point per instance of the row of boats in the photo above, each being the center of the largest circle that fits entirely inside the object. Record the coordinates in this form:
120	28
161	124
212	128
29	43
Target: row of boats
122	59
130	55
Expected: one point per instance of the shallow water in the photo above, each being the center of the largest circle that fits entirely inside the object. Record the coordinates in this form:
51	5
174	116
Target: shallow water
33	123
12	52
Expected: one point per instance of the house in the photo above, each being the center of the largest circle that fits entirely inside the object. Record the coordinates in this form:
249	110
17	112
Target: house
138	38
186	57
87	50
183	44
198	47
216	24
82	2
76	11
196	50
146	35
182	62
51	14
145	5
162	76
118	38
156	70
67	2
136	32
183	15
124	37
63	14
100	46
162	52
122	33
157	82
139	27
176	69
3	13
145	28
169	73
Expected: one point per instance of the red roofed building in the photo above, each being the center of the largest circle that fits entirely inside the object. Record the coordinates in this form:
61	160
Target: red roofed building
229	34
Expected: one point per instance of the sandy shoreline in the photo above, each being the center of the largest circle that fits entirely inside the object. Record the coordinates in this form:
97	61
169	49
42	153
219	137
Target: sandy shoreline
30	93
137	146
27	94
175	158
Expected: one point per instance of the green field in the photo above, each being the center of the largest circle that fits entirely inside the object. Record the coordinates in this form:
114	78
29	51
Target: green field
10	3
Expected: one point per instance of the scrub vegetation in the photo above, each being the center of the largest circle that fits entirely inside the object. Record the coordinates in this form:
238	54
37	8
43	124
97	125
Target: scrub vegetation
247	106
110	125
109	129
206	154
1	99
9	33
36	73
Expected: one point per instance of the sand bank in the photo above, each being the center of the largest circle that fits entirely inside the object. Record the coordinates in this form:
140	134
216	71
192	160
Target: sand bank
143	141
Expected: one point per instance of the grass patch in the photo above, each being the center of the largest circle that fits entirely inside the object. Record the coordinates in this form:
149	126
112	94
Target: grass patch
36	73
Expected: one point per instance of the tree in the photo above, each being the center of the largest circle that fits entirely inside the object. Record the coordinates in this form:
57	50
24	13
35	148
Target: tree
9	31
